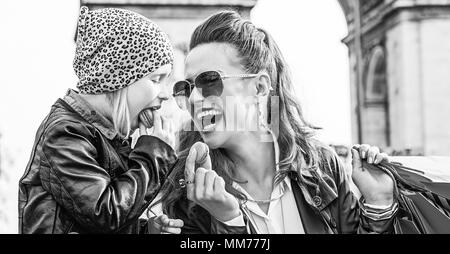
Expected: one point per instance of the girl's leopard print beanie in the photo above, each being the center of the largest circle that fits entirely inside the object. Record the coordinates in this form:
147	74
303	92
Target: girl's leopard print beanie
115	48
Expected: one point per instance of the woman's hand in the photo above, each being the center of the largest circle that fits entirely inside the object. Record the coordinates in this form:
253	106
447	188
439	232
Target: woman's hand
163	225
206	188
162	129
376	186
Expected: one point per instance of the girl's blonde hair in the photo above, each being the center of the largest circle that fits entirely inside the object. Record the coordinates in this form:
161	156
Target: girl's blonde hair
121	112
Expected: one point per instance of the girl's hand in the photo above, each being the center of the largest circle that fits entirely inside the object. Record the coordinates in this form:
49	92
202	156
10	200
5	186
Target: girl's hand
163	225
162	129
206	188
376	186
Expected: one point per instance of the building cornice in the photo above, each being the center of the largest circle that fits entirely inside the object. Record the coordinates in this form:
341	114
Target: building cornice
391	12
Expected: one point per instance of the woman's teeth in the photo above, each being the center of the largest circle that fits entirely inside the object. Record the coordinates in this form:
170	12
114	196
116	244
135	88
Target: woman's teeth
208	119
209	127
207	113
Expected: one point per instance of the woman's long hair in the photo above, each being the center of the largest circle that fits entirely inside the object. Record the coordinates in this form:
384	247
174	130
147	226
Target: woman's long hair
258	52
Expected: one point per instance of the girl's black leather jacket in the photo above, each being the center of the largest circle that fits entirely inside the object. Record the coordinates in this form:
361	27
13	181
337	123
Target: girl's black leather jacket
82	178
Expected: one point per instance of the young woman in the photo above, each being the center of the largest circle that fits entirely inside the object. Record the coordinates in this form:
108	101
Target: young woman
83	176
289	183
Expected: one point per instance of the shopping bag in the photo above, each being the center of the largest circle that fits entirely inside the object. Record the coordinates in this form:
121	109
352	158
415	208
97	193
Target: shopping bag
424	205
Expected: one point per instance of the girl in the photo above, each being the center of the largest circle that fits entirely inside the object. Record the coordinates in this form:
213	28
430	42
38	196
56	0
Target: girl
289	183
83	176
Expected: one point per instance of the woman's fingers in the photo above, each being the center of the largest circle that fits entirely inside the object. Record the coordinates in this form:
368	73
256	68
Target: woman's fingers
202	156
373	151
363	150
199	183
219	186
142	129
209	184
381	157
189	173
356	160
356	146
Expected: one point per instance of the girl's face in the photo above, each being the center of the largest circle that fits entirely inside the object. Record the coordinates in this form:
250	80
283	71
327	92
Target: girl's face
221	119
148	92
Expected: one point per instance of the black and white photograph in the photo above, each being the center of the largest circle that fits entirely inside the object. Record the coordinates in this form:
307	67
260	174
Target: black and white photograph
236	117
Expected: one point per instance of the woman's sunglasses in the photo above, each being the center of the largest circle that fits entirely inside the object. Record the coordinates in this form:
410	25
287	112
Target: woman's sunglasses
209	83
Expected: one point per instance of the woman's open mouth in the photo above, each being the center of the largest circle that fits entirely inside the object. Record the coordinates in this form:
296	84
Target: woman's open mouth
208	119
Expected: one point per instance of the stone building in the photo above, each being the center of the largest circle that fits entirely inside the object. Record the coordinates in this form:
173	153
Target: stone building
400	80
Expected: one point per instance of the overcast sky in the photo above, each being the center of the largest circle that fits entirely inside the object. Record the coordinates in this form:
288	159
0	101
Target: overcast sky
37	48
309	33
